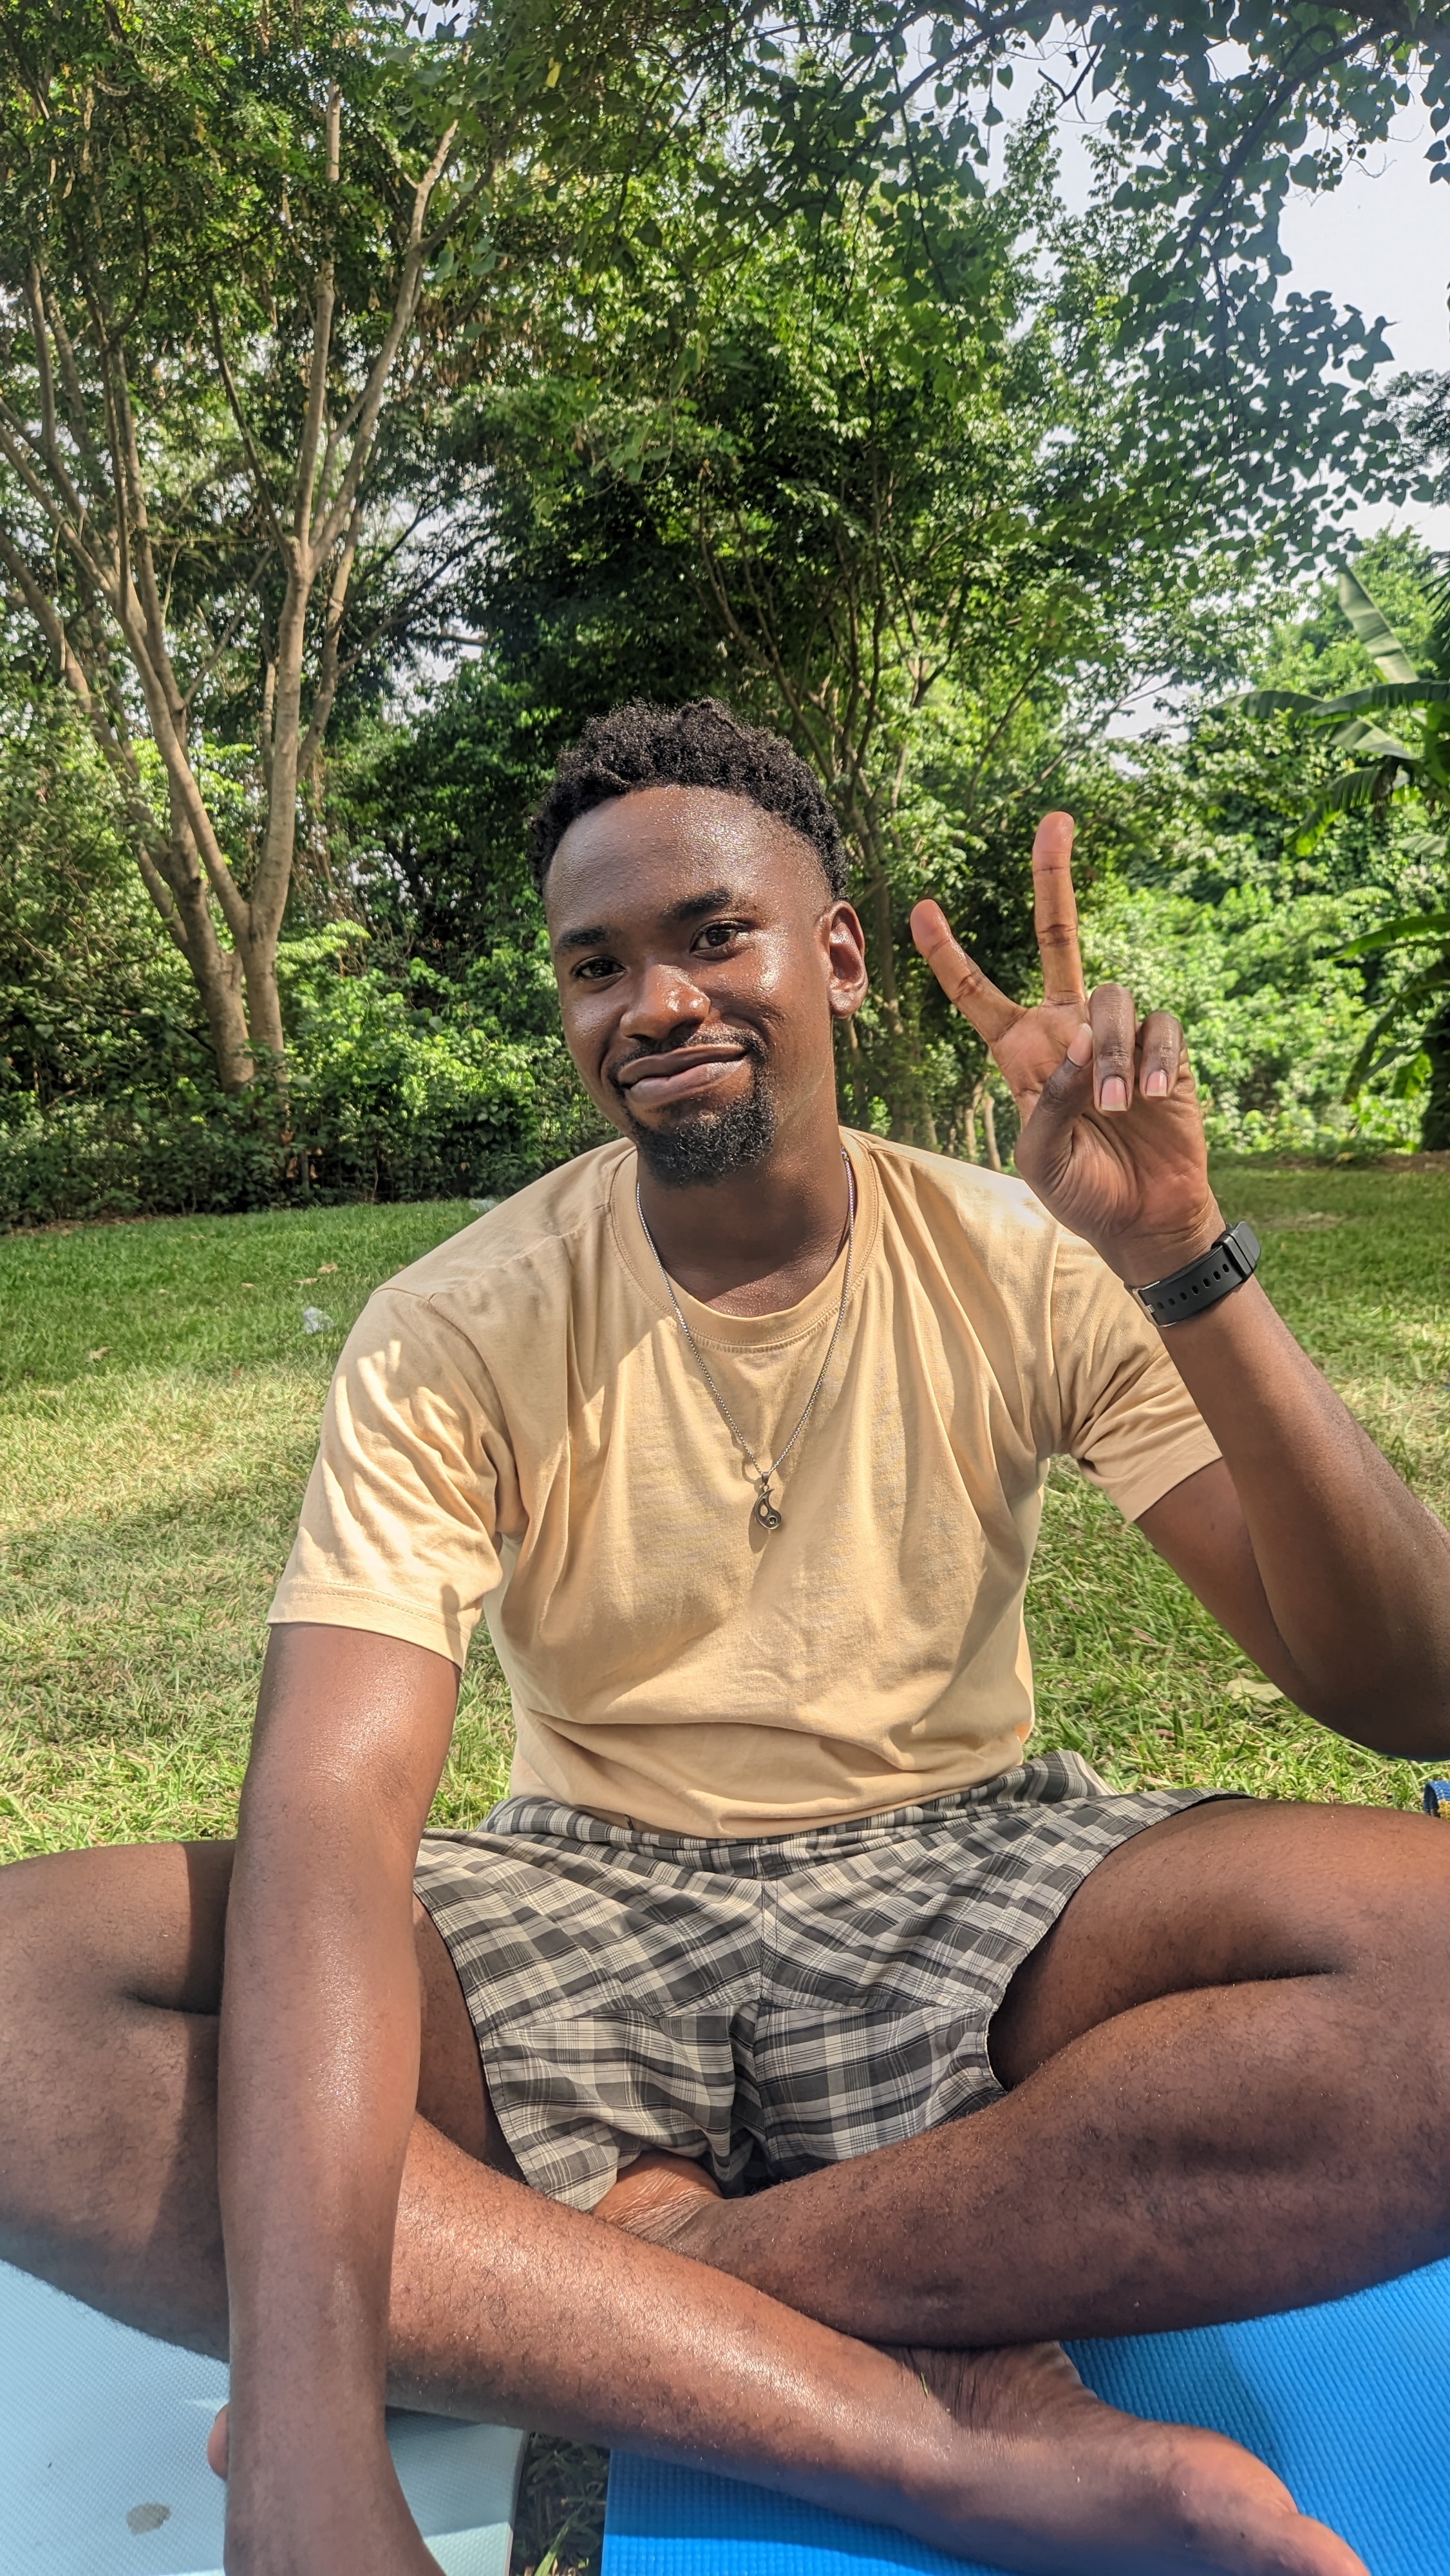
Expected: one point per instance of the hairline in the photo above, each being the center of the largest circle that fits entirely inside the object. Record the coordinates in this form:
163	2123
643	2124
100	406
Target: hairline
691	787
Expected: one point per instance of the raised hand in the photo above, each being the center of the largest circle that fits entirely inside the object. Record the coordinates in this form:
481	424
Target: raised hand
1112	1138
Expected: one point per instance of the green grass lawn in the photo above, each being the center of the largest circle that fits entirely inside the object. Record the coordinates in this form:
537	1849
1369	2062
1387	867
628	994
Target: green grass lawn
158	1408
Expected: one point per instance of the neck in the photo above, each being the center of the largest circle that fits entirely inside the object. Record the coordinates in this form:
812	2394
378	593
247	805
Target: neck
762	1238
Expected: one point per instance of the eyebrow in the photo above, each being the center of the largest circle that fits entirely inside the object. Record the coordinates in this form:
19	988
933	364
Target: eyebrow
596	936
694	907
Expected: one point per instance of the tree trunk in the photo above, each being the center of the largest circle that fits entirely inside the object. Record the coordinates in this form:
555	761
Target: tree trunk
226	1022
175	883
901	1082
264	1002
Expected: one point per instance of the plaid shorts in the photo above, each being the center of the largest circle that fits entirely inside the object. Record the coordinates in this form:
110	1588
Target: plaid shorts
765	2007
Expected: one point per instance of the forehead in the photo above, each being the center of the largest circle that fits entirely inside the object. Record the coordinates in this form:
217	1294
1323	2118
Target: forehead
643	855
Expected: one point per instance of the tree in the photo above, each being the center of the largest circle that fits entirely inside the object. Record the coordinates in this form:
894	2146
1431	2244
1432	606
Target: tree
1384	767
88	1001
253	267
1212	112
916	513
245	261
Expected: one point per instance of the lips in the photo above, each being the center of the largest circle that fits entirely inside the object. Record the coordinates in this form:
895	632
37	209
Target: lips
681	1074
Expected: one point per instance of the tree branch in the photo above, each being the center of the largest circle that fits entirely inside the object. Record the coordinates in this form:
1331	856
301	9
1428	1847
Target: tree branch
399	324
249	446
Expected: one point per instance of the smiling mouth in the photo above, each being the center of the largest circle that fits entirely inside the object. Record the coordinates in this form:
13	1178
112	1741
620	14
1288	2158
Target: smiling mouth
651	1080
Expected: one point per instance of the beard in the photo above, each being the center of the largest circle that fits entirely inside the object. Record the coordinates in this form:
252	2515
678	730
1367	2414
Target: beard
704	1145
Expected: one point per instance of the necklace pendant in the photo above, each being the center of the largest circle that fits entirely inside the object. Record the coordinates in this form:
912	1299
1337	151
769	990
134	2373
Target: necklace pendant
765	1511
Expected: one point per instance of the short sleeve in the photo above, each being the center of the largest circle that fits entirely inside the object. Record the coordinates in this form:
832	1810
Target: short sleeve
398	1526
1125	1414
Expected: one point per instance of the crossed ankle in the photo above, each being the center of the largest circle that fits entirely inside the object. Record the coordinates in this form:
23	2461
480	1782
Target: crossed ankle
663	2199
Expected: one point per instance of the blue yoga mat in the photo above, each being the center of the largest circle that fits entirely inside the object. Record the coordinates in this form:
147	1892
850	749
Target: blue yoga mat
1349	2404
102	2454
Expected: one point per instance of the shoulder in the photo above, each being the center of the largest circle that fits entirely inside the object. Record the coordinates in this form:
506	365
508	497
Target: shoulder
958	1203
998	1253
511	1274
533	1236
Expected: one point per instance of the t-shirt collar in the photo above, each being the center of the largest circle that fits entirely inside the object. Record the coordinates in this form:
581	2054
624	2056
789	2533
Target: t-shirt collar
711	1327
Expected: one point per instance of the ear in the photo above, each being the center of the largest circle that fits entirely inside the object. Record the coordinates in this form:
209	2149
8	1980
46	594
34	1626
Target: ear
845	948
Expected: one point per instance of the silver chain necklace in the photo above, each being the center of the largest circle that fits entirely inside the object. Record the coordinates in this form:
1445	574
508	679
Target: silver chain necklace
764	1509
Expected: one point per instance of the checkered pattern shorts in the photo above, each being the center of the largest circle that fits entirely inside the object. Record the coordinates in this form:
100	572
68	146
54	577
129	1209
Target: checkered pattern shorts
765	2007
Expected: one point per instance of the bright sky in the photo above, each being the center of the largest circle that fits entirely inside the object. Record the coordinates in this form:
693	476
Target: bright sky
1381	240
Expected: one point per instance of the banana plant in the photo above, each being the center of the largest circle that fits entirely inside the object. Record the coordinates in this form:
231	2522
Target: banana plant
1384	767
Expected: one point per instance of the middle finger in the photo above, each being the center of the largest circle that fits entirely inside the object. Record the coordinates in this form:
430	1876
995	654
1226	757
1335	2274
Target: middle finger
1054	910
1115	1030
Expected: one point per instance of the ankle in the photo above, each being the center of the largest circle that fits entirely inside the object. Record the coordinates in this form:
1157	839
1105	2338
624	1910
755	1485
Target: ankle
661	2198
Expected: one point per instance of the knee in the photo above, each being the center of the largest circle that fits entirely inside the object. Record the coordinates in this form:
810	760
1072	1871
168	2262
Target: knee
144	1921
1402	1908
40	1901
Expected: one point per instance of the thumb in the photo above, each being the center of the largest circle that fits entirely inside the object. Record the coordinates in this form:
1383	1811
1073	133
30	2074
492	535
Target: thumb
1044	1148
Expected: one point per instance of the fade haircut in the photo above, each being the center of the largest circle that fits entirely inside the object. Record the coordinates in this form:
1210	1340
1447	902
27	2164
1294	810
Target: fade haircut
698	745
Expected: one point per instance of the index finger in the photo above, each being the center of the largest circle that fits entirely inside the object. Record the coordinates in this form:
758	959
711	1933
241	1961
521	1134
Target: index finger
1054	910
960	977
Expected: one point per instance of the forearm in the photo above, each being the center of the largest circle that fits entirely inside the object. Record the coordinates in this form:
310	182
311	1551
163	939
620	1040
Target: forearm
318	2081
1355	1571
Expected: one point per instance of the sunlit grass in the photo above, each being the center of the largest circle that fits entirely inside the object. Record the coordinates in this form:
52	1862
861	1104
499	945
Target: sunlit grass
158	1409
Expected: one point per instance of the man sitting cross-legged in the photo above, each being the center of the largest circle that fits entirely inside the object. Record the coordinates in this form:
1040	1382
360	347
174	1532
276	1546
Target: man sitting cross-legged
891	2053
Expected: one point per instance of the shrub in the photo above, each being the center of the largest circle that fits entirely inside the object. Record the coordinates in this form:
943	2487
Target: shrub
393	1093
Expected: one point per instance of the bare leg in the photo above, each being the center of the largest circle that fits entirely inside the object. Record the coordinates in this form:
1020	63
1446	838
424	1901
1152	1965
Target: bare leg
1230	2073
509	2307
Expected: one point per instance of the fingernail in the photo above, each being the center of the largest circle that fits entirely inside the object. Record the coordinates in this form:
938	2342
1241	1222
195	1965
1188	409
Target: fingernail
1080	1045
1114	1093
1155	1085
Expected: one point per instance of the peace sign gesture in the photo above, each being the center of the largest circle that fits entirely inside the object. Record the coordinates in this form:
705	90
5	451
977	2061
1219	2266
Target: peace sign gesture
1112	1138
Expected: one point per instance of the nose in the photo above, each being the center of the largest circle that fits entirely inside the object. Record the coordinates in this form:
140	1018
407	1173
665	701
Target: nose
661	1001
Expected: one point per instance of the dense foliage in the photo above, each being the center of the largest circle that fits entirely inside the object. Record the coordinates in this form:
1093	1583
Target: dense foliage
754	367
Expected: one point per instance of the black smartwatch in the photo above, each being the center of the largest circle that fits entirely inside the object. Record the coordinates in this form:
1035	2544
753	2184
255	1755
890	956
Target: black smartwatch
1200	1284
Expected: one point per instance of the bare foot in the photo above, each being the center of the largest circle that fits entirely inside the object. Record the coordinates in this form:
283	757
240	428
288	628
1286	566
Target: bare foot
1034	2472
657	2197
1047	2478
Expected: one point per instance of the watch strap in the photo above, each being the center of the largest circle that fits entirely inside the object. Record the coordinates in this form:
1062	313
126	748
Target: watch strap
1201	1283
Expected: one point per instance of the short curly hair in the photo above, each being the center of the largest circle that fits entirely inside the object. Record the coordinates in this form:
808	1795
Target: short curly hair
701	744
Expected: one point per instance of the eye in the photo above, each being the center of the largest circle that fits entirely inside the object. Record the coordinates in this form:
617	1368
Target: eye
717	936
595	970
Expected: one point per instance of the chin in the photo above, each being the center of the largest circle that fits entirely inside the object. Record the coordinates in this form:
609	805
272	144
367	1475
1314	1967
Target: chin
702	1143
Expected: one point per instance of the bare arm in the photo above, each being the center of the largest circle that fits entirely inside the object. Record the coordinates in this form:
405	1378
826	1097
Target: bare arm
318	2082
1304	1543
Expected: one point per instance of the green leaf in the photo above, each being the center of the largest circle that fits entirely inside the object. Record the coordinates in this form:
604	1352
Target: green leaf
1273	702
1411	928
1374	631
1387	693
1359	736
1347	795
1422	989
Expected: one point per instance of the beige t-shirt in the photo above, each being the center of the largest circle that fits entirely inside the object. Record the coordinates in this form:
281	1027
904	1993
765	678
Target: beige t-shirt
518	1428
